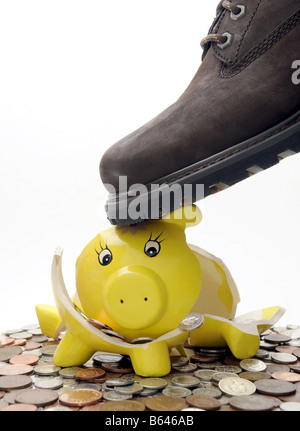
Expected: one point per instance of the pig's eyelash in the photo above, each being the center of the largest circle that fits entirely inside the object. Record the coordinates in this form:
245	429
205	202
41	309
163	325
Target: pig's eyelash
106	247
156	239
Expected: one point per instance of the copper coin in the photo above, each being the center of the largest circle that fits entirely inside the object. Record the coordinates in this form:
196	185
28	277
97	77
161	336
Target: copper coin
20	407
276	401
203	402
293	397
80	397
30	345
271	368
8	352
286	376
255	375
296	353
201	358
38	397
14	382
121	406
117	368
5	341
275	387
20	342
89	373
98	325
48	343
295	368
27	359
15	370
164	403
285	349
251	403
108	376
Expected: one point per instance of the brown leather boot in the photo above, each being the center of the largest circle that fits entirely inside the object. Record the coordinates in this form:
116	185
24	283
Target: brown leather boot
240	113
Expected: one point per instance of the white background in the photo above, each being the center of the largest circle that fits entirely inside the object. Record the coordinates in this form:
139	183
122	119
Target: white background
75	77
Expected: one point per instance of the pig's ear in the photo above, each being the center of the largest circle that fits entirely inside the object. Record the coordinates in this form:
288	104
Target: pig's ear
186	216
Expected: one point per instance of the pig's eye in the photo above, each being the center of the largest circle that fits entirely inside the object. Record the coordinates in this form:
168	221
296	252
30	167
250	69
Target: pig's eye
152	248
105	257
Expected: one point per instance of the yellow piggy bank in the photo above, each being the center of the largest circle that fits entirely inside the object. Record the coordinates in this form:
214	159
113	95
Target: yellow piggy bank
142	281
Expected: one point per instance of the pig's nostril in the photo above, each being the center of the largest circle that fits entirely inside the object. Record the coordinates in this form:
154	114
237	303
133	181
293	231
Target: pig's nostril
145	299
121	301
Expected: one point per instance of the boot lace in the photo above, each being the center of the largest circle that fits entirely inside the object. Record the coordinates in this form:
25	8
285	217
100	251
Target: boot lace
222	40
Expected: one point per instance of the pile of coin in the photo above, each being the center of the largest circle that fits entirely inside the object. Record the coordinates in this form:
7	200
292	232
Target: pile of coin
205	379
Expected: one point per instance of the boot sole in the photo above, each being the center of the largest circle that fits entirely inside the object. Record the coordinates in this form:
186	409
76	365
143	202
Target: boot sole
208	176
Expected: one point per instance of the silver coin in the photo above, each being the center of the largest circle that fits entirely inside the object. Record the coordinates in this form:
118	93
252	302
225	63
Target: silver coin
107	357
293	333
176	391
93	386
153	383
217	377
261	353
30	326
204	375
191	322
192	409
209	365
46	370
267	346
113	334
122	381
20	335
186	381
134	389
179	361
228	369
88	364
70	383
236	386
291	326
253	365
47	382
12	331
213	352
148	392
58	409
49	350
115	396
283	358
35	331
69	372
188	368
209	392
291	406
105	387
295	343
142	340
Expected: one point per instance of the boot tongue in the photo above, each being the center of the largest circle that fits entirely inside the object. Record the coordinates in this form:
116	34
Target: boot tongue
259	20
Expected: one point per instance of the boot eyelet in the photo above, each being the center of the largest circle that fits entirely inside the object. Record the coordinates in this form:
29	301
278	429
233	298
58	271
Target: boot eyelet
228	41
239	15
